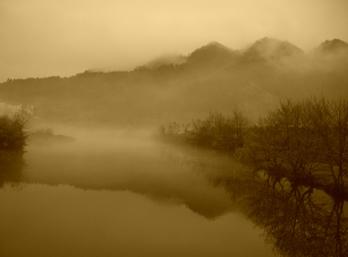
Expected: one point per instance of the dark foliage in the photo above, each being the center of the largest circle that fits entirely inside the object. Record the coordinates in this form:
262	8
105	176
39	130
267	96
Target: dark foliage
12	134
304	142
12	143
216	131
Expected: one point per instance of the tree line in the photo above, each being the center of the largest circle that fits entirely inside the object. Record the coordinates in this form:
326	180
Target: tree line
305	142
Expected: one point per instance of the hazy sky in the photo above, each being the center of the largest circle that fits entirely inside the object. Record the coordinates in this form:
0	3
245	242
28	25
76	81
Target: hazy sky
63	37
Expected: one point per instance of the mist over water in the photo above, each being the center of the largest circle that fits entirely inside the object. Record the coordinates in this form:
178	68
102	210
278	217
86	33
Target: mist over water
125	192
129	160
121	193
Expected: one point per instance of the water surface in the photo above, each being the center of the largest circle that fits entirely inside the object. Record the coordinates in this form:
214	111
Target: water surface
119	193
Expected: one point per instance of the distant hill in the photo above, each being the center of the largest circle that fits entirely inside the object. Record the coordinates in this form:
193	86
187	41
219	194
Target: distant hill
271	49
212	54
211	78
333	46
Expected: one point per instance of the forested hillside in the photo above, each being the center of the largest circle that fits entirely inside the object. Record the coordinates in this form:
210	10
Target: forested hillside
211	78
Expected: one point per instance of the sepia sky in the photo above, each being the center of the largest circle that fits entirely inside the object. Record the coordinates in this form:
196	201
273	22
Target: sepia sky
63	37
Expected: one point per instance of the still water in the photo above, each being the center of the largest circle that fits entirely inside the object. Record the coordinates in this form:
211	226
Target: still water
41	220
126	194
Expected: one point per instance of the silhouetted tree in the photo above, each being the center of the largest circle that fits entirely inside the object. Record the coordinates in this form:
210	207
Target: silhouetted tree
216	131
284	145
301	140
329	122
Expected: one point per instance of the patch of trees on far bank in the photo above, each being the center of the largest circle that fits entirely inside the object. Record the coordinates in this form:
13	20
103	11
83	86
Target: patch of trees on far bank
216	131
305	142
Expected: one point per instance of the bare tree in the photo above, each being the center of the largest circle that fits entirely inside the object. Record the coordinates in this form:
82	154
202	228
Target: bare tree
305	142
329	120
283	144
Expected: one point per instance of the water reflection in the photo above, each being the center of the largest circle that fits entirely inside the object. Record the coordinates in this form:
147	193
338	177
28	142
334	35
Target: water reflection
161	172
63	221
11	165
298	220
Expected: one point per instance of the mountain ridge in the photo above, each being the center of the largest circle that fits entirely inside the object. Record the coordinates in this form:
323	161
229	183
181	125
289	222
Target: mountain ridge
216	78
215	53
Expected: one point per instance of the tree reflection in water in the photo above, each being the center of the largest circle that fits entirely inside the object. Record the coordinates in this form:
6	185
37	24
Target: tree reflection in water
11	164
297	220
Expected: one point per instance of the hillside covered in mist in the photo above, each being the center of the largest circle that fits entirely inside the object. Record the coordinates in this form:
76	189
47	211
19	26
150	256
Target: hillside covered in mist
211	78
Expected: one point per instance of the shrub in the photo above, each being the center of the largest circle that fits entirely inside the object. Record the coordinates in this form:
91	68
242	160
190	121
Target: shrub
216	131
12	134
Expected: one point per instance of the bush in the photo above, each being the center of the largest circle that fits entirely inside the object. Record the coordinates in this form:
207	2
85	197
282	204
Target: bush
12	134
216	131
